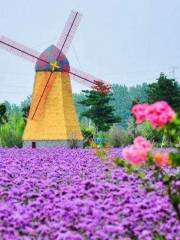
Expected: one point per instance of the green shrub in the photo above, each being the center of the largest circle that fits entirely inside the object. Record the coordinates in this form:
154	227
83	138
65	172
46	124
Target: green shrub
120	137
88	136
12	131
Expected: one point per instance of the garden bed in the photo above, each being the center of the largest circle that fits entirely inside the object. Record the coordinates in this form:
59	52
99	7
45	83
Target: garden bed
65	194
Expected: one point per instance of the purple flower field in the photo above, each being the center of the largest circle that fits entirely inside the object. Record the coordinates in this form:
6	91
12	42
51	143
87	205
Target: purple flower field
62	194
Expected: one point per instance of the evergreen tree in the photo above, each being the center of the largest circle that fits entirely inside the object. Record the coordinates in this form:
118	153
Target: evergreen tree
78	97
165	89
139	92
99	109
121	101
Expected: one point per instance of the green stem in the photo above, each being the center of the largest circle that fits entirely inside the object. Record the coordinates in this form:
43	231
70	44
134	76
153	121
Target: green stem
163	138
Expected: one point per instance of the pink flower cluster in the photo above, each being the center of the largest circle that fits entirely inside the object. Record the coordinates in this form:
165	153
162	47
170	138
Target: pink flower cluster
138	152
158	113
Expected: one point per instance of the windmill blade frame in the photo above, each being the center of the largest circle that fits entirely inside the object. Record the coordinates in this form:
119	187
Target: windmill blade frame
84	78
21	50
69	31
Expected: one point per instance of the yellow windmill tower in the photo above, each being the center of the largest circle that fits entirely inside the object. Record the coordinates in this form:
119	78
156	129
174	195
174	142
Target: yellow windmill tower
52	119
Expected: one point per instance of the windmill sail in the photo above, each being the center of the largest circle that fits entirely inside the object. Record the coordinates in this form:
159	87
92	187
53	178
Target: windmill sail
20	50
84	78
69	31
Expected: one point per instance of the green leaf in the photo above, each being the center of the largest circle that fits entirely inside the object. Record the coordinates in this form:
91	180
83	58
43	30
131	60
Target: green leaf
141	174
119	162
175	158
166	178
150	160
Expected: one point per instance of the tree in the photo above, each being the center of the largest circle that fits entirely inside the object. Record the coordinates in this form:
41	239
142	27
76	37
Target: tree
165	89
25	107
3	114
99	109
139	92
78	97
25	112
121	94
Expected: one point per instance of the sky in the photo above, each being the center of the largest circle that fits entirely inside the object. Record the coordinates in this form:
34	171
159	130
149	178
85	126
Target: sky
120	41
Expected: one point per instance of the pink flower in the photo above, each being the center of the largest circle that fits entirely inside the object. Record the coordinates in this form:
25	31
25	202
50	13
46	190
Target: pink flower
161	159
138	152
134	155
159	114
139	111
141	142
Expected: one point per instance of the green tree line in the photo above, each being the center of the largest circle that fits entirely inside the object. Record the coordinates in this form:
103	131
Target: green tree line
13	118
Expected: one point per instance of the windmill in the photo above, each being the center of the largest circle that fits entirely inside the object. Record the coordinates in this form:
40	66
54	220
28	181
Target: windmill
52	119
